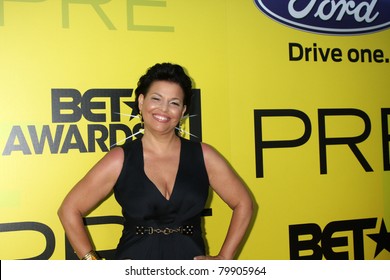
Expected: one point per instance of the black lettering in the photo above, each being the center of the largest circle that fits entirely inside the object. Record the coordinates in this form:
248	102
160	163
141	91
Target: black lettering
350	141
261	144
366	54
114	129
337	55
379	56
195	114
324	56
16	135
356	226
46	136
385	112
315	53
69	106
87	105
114	95
307	54
353	55
92	129
299	51
58	105
73	133
33	226
300	244
329	242
307	245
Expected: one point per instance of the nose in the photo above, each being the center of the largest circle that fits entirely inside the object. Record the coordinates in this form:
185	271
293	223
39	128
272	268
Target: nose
164	106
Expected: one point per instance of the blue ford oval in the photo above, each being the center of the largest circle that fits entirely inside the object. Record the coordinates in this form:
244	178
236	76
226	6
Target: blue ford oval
334	17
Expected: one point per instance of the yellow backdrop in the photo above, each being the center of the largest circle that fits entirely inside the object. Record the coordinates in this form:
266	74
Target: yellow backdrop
314	198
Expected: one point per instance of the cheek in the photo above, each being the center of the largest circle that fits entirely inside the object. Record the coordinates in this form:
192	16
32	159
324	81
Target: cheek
178	111
150	105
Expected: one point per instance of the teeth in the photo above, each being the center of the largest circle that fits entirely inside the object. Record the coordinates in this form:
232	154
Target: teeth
161	118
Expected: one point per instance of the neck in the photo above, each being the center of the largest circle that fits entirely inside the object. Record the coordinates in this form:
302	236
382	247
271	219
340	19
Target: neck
160	143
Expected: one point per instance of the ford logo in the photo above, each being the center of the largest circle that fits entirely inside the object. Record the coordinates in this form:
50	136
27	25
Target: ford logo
335	17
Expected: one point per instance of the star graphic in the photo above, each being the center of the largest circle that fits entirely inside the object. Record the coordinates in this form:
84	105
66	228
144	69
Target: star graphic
134	108
382	239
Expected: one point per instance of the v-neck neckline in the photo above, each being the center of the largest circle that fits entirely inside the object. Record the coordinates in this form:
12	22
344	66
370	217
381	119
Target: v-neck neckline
177	173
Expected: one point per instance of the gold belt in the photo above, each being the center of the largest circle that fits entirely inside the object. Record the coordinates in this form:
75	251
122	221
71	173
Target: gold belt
186	230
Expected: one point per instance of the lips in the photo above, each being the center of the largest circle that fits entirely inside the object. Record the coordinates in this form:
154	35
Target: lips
161	118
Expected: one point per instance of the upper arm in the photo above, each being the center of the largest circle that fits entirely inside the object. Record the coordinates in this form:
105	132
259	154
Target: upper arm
96	184
223	179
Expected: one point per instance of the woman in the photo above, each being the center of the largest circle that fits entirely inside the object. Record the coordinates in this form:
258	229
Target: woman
161	182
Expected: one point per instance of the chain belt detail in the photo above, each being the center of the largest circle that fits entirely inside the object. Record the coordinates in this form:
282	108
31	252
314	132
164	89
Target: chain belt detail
186	230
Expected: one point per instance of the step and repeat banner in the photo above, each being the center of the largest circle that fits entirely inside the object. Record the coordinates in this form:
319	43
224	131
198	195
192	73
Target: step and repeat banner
295	94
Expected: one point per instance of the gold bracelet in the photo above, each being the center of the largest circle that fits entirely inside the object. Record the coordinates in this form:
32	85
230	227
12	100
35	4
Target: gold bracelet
91	256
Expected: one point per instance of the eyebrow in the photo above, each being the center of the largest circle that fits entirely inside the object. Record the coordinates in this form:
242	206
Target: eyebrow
161	95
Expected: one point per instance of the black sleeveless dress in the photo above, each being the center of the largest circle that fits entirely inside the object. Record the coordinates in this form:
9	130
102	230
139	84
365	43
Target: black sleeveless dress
156	228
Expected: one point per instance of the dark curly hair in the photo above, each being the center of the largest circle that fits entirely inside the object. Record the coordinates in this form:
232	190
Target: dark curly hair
165	72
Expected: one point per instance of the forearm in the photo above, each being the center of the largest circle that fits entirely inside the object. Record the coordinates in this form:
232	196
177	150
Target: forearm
75	231
239	223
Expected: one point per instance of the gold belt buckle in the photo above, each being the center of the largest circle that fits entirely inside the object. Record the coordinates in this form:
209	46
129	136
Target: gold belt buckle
187	230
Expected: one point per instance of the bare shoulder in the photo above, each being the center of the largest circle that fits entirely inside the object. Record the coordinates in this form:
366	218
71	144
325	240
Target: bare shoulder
222	177
116	153
113	159
209	150
212	156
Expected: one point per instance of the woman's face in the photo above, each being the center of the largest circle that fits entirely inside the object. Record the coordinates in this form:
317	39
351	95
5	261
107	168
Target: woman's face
162	106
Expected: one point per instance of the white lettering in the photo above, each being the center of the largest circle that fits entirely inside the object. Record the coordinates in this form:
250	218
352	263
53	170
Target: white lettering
332	9
369	10
300	14
329	9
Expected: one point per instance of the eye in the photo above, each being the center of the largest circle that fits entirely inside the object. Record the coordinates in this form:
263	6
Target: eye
176	103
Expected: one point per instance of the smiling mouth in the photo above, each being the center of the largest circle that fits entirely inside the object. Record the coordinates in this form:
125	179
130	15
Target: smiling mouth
160	118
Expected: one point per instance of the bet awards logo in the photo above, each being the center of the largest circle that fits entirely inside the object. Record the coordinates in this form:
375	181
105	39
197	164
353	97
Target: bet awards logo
79	122
309	241
338	17
94	121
